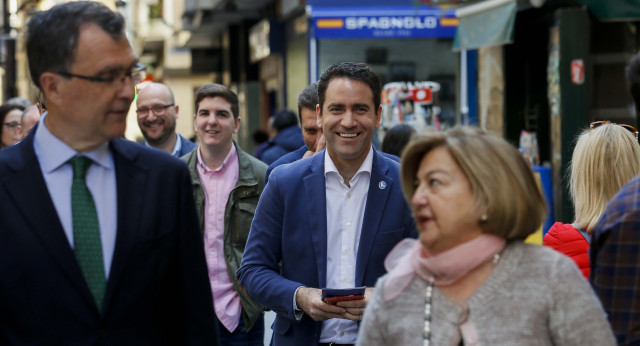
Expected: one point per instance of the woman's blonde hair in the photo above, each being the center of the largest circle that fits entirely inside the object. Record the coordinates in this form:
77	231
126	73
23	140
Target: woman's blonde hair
500	178
604	159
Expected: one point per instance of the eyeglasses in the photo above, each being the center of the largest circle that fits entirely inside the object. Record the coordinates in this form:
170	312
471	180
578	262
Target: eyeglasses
629	128
137	75
157	110
12	125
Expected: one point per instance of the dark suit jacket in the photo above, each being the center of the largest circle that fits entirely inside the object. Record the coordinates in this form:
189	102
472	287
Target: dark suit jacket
290	226
158	291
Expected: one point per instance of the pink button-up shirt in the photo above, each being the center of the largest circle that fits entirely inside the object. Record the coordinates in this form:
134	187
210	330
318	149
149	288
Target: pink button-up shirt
217	185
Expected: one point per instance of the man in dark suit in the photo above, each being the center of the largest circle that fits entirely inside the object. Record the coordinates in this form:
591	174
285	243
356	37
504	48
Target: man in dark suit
329	220
99	241
157	114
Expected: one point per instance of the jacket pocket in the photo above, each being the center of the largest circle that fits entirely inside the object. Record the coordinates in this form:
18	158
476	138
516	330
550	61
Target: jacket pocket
245	211
281	325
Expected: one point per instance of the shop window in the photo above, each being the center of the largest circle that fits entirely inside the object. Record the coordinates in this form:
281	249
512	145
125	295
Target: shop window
610	98
206	60
402	71
376	55
155	9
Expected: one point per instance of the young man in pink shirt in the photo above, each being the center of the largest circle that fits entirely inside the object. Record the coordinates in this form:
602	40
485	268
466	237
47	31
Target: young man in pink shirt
227	184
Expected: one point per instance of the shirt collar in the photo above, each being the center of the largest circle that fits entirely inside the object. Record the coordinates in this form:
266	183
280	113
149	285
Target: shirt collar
53	153
230	154
178	146
366	166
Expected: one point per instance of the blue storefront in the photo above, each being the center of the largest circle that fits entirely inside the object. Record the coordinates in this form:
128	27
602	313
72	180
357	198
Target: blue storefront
402	41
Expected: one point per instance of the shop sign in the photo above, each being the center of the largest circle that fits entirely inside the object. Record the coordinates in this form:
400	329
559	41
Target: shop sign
259	47
422	95
411	103
264	39
421	92
401	26
577	71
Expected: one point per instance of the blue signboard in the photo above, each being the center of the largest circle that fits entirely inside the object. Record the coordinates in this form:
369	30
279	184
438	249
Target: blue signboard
382	22
364	3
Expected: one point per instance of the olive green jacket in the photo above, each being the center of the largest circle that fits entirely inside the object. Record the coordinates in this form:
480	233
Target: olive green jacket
238	215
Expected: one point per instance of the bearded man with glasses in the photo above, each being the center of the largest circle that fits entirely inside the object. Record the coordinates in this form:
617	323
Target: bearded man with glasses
113	255
157	114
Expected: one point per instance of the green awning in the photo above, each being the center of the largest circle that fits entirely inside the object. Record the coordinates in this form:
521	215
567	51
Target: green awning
490	23
613	9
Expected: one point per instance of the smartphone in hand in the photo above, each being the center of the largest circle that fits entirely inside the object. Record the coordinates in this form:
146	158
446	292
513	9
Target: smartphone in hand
334	295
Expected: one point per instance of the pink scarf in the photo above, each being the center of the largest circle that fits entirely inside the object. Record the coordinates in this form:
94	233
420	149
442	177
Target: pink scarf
404	262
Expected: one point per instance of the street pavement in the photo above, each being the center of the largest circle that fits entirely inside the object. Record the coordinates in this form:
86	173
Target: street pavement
269	316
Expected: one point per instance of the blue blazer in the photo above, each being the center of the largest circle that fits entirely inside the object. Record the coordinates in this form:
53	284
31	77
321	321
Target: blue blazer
186	146
158	289
290	226
288	158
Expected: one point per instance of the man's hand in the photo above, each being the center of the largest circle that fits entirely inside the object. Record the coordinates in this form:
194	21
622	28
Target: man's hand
320	144
310	301
355	308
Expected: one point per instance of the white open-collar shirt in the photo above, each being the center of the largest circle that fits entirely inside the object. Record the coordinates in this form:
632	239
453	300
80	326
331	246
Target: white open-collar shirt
345	212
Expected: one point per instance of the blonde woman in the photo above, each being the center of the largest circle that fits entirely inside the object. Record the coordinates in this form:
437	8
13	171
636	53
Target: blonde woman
606	157
469	278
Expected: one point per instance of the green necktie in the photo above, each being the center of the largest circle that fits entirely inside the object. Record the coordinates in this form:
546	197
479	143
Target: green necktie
86	231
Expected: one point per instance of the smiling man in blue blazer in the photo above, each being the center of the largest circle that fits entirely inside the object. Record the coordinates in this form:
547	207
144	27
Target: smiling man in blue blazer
328	220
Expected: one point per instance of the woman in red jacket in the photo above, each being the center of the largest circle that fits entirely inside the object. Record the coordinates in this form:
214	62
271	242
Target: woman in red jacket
605	158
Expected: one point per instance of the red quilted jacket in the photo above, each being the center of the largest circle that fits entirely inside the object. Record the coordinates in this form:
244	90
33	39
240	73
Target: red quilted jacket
567	240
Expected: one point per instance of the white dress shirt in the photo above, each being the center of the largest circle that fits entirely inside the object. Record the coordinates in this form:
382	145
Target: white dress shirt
345	212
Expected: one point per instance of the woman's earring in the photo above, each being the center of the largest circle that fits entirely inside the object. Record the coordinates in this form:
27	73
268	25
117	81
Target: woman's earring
483	218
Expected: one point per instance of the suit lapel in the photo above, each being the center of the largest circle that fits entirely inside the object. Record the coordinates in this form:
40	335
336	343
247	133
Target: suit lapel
27	188
130	185
379	187
316	198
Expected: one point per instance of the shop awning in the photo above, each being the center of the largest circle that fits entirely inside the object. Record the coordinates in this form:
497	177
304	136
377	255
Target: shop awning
613	9
488	23
202	39
357	22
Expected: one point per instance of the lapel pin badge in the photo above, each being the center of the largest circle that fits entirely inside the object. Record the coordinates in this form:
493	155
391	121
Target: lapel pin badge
382	185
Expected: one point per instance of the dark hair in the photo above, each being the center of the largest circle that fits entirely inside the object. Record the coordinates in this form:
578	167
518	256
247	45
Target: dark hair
397	138
308	99
41	99
633	76
351	70
283	119
52	36
8	107
218	90
260	136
